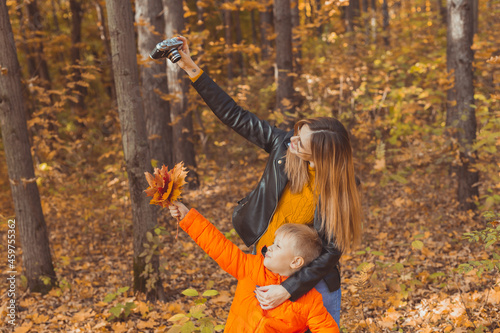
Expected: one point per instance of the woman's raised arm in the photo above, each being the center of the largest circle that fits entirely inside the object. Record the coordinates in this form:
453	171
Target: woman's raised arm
244	122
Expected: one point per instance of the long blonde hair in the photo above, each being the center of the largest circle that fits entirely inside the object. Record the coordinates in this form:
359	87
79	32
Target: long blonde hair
335	187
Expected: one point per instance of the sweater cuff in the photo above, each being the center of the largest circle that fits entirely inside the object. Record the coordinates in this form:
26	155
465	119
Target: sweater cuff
194	78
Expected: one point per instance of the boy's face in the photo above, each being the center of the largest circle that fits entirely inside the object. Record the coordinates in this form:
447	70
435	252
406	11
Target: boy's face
280	258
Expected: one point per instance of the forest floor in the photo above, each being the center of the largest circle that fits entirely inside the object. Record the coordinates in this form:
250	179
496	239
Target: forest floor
411	288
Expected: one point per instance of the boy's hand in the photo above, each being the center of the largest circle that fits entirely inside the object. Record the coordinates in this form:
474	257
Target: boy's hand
178	210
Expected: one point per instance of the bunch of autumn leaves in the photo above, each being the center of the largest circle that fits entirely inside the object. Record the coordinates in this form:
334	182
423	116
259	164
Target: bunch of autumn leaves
165	186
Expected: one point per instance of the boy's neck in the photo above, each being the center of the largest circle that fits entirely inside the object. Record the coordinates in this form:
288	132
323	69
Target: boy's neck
288	273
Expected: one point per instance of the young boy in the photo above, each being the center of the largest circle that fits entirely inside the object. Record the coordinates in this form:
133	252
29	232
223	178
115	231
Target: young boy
295	245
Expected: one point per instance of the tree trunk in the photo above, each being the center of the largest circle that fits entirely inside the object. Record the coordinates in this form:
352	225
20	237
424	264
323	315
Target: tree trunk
349	17
320	27
266	29
135	145
36	28
366	21
25	47
475	16
54	17
461	111
442	11
284	57
385	24
254	33
297	53
37	260
107	47
226	14
451	114
355	6
150	27
239	41
76	39
373	21
182	120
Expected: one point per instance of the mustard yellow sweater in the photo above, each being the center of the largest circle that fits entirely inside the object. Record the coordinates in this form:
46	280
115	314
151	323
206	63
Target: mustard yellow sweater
292	208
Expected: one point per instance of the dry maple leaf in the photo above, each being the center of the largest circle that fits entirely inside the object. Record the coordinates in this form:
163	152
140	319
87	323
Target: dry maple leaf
166	186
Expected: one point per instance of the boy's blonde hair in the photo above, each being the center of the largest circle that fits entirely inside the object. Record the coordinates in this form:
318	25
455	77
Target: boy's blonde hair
305	239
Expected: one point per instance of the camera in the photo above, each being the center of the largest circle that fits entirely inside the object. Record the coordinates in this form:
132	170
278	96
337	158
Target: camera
167	49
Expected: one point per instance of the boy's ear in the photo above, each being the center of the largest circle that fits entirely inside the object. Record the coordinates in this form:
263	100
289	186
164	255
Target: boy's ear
297	262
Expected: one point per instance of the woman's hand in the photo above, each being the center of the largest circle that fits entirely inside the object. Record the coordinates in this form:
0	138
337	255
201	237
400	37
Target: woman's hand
178	210
271	296
186	63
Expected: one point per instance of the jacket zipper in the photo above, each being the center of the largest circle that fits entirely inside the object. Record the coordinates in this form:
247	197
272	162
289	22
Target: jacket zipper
265	311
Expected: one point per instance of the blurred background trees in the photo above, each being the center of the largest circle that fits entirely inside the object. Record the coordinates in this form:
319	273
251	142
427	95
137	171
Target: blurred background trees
416	82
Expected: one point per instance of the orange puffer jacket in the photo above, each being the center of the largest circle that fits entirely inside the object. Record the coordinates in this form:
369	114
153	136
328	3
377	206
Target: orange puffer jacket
245	314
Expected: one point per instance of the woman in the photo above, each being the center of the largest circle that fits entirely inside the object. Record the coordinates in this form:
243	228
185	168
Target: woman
309	178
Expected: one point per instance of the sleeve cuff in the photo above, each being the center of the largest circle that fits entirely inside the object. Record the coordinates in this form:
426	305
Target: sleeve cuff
290	290
194	78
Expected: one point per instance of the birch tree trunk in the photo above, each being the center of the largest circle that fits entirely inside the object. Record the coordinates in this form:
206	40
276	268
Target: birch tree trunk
37	260
135	145
150	28
461	113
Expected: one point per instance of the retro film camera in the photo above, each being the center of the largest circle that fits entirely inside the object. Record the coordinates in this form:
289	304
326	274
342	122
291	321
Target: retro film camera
167	49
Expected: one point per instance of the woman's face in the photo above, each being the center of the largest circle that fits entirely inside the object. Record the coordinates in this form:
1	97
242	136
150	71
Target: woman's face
300	144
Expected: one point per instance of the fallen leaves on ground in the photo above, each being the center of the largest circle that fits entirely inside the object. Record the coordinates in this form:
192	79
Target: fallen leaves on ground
417	290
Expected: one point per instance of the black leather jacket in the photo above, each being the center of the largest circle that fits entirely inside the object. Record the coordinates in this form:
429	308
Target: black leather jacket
252	215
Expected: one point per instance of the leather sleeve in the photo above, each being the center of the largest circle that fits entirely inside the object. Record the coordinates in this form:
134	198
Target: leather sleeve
308	277
245	123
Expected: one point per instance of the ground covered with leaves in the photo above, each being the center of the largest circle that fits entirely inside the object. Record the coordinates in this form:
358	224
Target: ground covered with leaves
403	278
